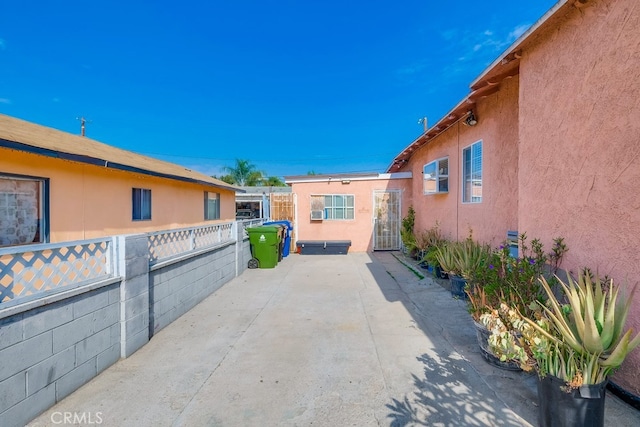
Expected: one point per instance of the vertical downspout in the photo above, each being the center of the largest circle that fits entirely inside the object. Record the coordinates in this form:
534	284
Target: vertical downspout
458	186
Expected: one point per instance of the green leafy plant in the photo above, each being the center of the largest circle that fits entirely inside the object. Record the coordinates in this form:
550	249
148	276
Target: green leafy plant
501	278
446	255
470	255
428	239
406	232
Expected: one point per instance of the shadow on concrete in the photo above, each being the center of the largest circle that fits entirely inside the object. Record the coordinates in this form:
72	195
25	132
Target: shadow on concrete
458	387
441	397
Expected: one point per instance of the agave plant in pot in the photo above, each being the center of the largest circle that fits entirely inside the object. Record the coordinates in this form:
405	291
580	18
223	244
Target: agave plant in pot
574	342
460	260
446	256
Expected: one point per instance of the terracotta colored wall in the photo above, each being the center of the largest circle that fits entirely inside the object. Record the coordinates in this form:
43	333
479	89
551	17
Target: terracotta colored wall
489	220
360	229
88	201
580	145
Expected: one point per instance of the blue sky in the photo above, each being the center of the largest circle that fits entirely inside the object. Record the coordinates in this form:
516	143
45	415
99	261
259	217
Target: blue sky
292	86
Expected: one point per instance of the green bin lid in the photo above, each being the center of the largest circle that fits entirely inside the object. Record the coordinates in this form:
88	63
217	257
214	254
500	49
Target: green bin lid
263	229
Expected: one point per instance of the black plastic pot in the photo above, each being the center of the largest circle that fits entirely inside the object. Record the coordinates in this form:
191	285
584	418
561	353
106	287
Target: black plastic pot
559	406
438	273
458	284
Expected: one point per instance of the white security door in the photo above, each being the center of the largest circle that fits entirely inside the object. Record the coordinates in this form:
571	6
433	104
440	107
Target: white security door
386	220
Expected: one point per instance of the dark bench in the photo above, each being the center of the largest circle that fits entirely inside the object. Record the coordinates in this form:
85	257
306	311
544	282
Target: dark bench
323	247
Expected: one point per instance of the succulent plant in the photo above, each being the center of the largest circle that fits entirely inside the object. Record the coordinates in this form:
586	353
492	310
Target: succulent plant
445	254
592	322
581	341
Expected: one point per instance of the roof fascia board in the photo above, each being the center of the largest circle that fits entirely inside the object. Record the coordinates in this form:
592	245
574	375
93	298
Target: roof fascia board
104	163
438	126
516	44
338	178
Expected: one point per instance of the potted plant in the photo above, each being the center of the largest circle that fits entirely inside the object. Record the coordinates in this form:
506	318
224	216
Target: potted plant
459	260
431	259
427	242
422	244
574	342
501	278
447	258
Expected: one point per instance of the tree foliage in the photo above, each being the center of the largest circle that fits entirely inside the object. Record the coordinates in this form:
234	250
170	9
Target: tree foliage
245	174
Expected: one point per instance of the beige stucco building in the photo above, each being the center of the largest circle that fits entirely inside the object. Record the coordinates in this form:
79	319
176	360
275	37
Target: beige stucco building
57	187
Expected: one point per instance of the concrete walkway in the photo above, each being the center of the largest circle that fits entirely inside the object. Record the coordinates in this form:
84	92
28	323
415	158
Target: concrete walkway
329	340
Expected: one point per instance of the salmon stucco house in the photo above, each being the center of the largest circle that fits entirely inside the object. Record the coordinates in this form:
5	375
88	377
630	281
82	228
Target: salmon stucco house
57	187
548	143
364	209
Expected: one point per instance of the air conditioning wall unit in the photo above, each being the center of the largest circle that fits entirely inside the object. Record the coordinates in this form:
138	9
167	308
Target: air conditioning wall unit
317	215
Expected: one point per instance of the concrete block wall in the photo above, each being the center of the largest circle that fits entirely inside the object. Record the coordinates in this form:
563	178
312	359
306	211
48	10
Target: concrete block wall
246	253
178	287
53	347
48	352
133	264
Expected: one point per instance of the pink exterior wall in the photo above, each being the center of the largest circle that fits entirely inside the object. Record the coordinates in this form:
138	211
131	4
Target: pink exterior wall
489	220
89	201
579	146
360	229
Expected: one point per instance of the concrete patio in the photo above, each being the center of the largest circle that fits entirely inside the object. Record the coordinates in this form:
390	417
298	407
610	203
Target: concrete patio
320	340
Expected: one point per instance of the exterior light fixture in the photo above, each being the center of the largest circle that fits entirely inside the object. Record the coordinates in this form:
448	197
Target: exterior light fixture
471	119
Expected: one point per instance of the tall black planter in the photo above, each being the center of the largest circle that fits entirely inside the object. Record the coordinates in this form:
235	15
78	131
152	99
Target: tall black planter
581	407
458	284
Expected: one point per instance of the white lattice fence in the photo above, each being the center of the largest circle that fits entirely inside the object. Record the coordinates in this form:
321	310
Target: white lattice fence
172	243
33	269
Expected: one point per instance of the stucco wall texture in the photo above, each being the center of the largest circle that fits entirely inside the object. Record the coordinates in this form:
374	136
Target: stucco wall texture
360	229
579	146
88	201
489	220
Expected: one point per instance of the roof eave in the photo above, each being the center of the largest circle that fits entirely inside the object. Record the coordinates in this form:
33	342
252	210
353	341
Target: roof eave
507	65
18	146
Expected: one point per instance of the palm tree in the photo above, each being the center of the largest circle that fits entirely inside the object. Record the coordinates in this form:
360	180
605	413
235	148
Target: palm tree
273	181
224	178
254	179
244	173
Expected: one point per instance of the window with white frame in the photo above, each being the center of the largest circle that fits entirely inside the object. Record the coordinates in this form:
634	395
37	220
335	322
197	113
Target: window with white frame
334	206
435	176
472	173
211	205
141	201
23	210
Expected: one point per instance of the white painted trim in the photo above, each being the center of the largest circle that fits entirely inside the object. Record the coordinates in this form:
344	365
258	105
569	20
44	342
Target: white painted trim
340	178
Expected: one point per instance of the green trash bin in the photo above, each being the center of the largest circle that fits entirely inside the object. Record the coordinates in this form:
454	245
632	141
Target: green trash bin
265	245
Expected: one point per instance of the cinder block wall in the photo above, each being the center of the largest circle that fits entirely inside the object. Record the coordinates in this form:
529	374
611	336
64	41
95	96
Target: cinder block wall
178	287
245	255
48	352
